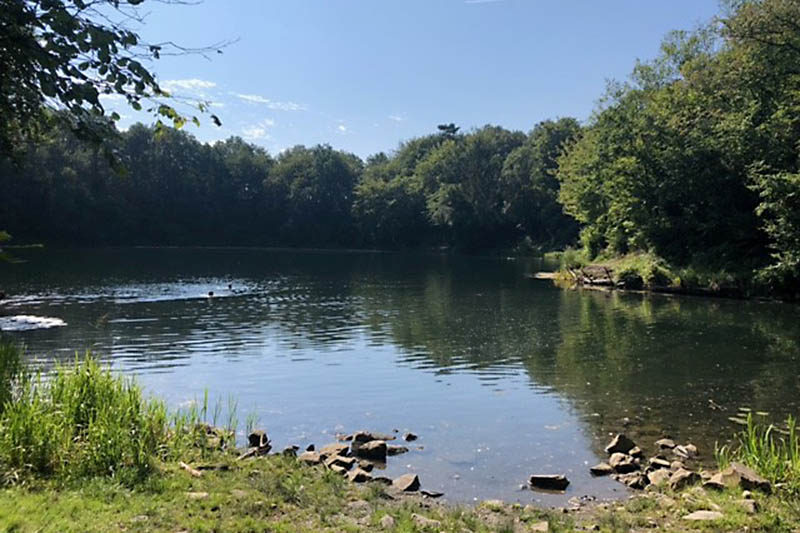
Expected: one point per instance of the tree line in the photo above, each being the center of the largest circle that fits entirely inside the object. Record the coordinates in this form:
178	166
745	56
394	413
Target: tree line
695	159
488	188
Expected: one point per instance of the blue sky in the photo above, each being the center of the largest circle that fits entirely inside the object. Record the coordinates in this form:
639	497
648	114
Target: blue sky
363	75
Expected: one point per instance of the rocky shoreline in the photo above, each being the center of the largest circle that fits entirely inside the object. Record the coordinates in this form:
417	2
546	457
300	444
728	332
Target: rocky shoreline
360	455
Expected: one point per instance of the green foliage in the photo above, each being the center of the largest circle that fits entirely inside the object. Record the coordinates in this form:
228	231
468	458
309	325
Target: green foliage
685	158
572	259
82	421
317	185
485	189
10	368
530	188
66	54
773	452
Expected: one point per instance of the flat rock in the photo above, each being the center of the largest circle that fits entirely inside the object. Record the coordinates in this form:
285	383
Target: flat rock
431	493
345	462
636	452
686	451
736	474
338	469
540	527
387	522
406	483
683	478
602	469
357	475
703	515
665	444
634	480
658	477
335	448
676	465
197	495
312	458
548	482
622	463
620	444
374	449
657	462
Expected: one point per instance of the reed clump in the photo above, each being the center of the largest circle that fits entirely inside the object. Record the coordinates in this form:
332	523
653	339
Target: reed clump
771	450
82	421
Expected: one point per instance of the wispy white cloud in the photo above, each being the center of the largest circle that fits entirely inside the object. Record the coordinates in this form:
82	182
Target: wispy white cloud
193	85
278	106
254	132
397	118
342	128
256	99
258	131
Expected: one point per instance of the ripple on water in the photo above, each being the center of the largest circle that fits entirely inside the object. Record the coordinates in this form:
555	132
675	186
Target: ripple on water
29	322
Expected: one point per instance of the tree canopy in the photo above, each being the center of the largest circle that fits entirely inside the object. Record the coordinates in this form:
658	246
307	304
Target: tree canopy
64	55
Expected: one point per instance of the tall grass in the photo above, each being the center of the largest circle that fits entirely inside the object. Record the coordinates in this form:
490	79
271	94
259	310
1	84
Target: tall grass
772	451
10	367
83	421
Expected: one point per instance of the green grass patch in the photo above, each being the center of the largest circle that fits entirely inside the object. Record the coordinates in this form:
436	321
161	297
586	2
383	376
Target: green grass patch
772	451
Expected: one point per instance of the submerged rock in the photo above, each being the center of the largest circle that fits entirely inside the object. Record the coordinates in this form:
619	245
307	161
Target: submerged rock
396	450
620	444
410	437
548	482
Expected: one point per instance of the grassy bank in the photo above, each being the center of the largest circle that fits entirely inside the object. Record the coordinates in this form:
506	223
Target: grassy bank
84	450
646	271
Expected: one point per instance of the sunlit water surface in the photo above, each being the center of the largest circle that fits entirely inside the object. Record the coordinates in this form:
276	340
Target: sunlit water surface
501	376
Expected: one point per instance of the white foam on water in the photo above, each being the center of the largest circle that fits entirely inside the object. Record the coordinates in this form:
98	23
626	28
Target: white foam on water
28	322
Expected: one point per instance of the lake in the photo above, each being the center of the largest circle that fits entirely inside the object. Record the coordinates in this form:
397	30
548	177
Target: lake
501	376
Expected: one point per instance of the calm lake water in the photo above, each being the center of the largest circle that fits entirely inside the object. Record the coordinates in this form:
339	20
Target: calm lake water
500	375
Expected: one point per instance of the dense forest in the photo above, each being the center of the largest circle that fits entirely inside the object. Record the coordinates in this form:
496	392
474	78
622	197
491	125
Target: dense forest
491	187
694	159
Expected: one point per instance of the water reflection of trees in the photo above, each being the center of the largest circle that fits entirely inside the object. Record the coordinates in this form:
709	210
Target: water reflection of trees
655	360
